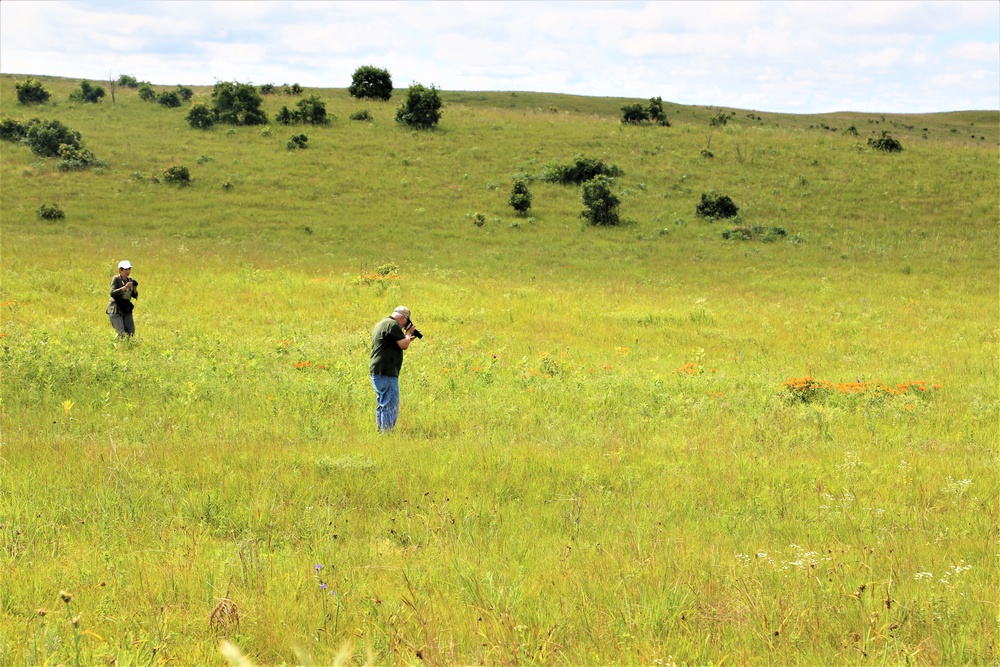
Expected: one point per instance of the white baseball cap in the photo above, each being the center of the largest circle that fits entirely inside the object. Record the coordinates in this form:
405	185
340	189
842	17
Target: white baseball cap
124	264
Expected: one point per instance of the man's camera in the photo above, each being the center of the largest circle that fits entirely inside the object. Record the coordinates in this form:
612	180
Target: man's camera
415	333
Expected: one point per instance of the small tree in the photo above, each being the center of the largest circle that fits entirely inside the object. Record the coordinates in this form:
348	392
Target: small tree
267	89
169	99
600	204
13	130
656	113
885	143
87	93
31	91
634	114
128	81
184	93
371	82
177	175
311	110
296	141
146	93
719	119
520	197
237	104
112	86
44	137
421	109
715	206
200	117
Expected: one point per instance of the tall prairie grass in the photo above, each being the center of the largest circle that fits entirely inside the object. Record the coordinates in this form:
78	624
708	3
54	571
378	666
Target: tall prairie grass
606	453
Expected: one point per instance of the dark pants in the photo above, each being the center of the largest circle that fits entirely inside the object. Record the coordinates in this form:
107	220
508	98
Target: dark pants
123	324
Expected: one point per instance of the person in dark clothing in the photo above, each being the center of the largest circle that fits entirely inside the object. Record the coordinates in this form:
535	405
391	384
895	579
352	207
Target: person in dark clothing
124	288
389	338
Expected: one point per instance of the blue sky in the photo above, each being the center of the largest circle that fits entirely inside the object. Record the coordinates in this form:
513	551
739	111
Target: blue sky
805	57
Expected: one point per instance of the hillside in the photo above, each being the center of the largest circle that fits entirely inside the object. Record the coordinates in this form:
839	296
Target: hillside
653	443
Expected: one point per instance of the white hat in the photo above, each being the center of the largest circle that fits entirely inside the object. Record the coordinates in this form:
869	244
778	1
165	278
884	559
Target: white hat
124	264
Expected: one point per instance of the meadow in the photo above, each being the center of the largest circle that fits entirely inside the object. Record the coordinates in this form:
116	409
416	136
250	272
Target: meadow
642	444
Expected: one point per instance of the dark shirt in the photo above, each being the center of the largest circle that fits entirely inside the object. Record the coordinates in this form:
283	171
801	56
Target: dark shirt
386	357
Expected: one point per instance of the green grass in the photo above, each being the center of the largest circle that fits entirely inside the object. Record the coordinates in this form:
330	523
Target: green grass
596	461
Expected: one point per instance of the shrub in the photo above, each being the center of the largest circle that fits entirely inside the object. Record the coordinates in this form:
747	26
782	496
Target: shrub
169	99
520	197
128	81
656	113
600	204
268	89
87	93
296	141
371	83
716	206
176	175
45	137
294	89
421	109
719	119
31	91
12	130
634	114
580	170
885	143
46	212
200	117
361	115
311	110
185	93
146	93
73	158
237	104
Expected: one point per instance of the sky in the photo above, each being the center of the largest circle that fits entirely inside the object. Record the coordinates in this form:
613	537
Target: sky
790	57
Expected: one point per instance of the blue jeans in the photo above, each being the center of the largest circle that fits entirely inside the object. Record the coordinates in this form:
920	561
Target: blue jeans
387	388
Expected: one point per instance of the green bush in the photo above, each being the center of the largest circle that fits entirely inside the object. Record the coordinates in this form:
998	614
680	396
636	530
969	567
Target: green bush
268	89
87	93
311	111
128	81
719	119
656	112
296	141
580	170
421	109
46	212
237	104
176	175
75	158
45	137
169	99
200	117
361	115
520	197
12	130
185	93
716	206
634	114
31	91
885	143
294	89
600	204
371	82
146	93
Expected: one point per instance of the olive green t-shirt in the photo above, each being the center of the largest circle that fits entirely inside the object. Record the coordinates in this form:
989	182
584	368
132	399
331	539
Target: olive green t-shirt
386	358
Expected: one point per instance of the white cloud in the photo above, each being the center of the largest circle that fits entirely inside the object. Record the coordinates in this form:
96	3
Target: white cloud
813	56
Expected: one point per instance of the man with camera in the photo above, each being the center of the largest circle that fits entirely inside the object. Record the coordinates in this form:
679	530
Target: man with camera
389	338
124	288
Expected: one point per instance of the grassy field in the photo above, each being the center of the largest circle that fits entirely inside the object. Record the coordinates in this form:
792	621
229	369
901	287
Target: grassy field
607	451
